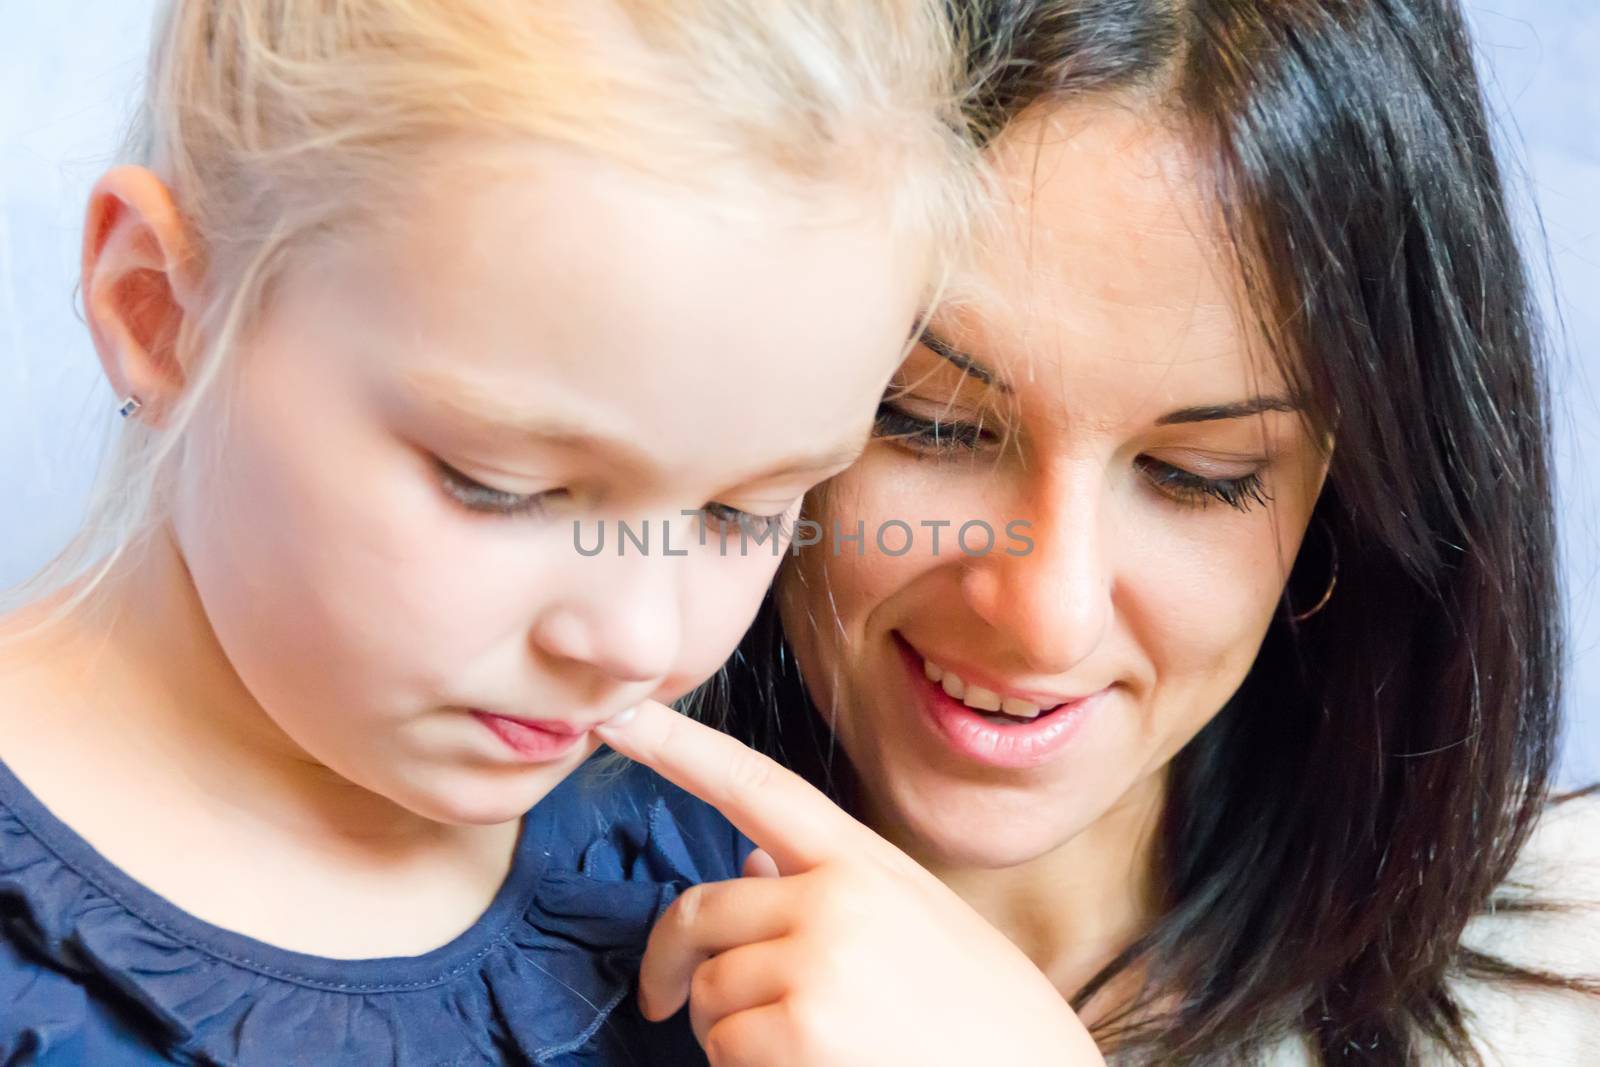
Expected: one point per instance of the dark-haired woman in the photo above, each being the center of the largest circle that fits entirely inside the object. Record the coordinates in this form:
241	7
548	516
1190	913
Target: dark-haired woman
1193	618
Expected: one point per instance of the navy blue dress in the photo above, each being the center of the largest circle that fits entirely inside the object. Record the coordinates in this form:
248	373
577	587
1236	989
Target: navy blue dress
98	971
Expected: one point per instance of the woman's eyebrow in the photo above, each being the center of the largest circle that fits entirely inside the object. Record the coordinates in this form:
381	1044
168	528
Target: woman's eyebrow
1239	410
1204	413
944	350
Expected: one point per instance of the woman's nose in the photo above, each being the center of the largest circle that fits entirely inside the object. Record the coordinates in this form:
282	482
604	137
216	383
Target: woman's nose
1053	597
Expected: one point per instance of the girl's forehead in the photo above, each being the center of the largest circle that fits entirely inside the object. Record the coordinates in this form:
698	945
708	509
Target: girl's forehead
595	304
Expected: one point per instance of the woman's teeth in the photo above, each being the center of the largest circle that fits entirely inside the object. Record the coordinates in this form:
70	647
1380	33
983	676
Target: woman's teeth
978	698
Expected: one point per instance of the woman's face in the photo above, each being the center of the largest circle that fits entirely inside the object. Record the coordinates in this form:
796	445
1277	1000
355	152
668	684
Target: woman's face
393	525
1099	406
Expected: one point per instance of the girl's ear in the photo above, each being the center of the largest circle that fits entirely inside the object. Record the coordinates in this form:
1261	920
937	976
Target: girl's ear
140	282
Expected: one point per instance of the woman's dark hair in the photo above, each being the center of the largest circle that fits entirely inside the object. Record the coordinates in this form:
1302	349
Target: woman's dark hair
1365	792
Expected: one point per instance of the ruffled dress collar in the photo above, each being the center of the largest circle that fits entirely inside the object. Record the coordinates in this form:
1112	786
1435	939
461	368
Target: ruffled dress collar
547	965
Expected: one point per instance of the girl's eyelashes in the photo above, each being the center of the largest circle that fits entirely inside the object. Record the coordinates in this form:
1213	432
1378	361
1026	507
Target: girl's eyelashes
1196	490
481	499
484	500
921	434
759	526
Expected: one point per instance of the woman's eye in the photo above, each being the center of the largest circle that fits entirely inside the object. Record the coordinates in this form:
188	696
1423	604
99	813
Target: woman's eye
758	526
1186	487
928	435
485	500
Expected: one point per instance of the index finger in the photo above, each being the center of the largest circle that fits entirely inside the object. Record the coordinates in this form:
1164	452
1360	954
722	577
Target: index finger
770	804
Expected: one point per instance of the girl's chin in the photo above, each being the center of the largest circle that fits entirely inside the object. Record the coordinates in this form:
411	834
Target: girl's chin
475	800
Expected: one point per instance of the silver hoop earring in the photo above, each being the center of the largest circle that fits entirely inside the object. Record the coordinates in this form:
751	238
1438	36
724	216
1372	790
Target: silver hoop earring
130	407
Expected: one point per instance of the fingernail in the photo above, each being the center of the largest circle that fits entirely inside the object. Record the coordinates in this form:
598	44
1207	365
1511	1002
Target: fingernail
621	718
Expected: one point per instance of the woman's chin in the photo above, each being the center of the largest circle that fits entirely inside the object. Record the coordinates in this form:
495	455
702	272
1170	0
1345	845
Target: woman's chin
988	852
980	832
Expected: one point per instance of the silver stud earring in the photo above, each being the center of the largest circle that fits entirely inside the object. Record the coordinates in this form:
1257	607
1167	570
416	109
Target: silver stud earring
130	407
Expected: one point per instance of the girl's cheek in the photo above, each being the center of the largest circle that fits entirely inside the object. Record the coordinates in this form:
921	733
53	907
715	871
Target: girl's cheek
721	597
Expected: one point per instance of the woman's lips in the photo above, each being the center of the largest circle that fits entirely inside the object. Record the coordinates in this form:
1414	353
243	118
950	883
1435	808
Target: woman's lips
1011	745
536	742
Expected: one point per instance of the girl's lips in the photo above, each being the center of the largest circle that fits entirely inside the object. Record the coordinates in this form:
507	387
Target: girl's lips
536	742
1011	746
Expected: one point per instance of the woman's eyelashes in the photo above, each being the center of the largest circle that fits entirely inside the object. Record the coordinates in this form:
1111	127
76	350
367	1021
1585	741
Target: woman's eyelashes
1241	492
924	437
481	499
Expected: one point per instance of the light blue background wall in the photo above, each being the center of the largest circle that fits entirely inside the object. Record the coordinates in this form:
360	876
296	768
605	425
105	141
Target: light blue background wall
67	73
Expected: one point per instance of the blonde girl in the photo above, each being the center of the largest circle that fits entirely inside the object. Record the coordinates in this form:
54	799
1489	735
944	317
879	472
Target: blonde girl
397	298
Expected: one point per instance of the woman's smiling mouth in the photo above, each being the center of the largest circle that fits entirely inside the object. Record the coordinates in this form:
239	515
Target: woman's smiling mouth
996	727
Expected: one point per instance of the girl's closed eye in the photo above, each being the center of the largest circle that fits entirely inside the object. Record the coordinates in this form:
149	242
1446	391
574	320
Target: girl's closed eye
482	499
754	523
477	497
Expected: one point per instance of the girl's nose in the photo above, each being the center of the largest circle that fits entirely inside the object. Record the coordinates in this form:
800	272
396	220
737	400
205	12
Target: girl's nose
622	620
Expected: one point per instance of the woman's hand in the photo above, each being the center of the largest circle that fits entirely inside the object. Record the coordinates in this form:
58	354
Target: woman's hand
847	953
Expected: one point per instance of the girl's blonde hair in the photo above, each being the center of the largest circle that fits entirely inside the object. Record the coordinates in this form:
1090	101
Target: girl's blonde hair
275	120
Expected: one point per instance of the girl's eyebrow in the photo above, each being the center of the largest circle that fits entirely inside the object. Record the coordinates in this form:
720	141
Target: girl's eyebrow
834	459
944	350
481	405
